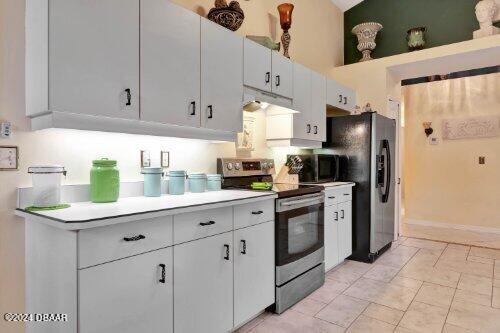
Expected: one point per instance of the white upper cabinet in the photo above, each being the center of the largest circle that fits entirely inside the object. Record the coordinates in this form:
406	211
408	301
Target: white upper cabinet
282	75
340	96
128	295
221	78
318	106
170	64
302	122
257	66
93	62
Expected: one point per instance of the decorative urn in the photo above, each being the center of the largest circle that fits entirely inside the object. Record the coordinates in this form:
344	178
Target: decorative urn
366	33
229	16
416	38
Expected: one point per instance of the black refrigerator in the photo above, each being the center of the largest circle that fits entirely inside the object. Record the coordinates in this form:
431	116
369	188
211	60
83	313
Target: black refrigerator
366	144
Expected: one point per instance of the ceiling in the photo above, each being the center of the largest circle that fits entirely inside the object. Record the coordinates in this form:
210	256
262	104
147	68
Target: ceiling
346	4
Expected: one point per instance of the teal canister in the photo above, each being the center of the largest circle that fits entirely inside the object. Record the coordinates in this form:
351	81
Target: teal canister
104	181
176	182
197	182
152	181
214	182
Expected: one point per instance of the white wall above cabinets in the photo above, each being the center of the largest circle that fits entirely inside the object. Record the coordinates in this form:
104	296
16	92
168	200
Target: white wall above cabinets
340	96
84	61
307	128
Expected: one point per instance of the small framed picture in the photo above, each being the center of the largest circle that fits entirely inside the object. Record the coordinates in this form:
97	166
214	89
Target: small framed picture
9	158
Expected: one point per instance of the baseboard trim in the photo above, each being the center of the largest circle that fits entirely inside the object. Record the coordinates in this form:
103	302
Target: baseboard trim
443	225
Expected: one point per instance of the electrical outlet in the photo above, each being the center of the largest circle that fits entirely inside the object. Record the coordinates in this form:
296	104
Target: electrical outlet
482	160
145	159
165	159
5	130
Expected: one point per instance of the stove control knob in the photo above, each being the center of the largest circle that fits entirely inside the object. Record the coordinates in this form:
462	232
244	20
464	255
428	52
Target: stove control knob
270	165
264	166
229	166
237	166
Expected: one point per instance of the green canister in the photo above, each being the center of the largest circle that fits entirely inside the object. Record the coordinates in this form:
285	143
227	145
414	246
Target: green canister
104	181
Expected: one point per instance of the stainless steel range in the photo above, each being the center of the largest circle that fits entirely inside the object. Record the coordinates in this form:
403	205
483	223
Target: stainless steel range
299	228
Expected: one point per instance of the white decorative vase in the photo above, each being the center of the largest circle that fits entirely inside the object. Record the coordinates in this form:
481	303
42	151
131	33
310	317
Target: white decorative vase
366	33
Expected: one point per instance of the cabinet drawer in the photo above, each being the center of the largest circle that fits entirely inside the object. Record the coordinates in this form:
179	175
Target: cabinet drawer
337	195
201	224
253	213
100	245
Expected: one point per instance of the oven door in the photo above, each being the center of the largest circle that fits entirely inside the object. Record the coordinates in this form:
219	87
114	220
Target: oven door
299	227
327	168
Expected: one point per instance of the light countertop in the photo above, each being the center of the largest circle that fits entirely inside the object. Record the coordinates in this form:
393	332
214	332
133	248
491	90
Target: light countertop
83	215
333	184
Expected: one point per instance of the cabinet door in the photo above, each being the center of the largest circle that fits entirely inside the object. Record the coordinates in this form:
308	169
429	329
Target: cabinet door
257	66
282	78
332	256
334	95
94	57
128	295
203	290
221	78
170	64
345	229
253	270
350	101
302	124
318	106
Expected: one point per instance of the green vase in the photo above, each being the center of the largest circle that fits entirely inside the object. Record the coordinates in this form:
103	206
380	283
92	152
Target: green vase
104	181
416	38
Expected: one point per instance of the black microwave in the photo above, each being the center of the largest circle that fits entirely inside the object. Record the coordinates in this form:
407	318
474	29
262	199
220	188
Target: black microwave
319	168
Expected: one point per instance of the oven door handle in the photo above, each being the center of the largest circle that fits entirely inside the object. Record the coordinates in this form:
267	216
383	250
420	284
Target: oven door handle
301	201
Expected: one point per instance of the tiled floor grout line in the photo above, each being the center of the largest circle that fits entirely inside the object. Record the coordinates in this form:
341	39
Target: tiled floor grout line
449	308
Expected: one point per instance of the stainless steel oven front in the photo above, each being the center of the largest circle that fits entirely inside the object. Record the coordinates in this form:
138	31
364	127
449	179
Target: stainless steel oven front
299	248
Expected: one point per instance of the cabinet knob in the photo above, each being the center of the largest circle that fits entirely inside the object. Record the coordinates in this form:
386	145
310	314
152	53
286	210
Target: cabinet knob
129	97
193	108
268	77
243	246
308	127
345	100
203	224
210	112
336	216
257	212
342	215
277	81
332	197
163	273
226	257
315	129
134	238
340	98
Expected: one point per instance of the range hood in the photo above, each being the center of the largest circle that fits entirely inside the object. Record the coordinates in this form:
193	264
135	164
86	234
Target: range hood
255	100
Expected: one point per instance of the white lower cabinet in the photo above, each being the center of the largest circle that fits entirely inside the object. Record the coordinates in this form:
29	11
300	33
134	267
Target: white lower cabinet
128	295
253	270
203	290
338	227
332	254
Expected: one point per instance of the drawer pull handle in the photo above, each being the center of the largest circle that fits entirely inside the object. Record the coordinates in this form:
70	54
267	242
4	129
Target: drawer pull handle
336	216
134	239
163	273
129	97
203	224
346	194
332	197
342	215
244	246
226	257
257	212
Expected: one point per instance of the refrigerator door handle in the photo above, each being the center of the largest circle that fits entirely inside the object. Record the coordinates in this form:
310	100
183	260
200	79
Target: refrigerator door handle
386	146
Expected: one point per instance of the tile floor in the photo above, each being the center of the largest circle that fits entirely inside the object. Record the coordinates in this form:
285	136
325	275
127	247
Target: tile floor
417	286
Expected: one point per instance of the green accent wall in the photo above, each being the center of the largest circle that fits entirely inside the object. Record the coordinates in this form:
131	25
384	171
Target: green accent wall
447	21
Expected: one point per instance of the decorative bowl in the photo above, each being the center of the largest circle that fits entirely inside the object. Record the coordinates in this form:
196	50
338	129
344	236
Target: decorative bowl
229	16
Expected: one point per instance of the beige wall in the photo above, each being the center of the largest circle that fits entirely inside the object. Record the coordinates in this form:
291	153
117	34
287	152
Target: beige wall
316	42
444	183
374	81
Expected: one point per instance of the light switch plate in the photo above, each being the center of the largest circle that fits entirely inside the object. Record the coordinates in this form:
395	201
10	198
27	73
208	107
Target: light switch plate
9	158
165	159
5	130
145	159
